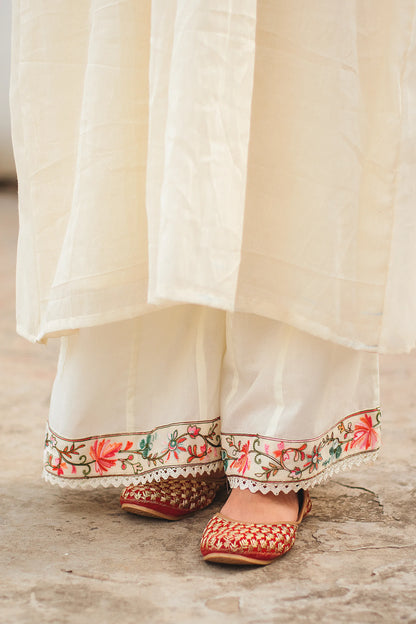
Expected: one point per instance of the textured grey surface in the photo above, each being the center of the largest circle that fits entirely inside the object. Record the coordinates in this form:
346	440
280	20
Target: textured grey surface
73	556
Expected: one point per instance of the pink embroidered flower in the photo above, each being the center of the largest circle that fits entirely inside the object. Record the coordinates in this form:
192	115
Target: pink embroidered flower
58	466
103	453
365	436
266	449
243	462
314	459
280	452
193	431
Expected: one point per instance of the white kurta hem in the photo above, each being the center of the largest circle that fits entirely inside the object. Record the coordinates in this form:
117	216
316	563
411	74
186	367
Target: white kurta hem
258	156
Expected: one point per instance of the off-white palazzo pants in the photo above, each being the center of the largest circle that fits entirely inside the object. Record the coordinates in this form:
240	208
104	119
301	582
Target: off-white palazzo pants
191	390
229	161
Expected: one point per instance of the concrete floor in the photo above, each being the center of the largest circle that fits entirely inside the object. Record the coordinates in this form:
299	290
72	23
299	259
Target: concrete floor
73	556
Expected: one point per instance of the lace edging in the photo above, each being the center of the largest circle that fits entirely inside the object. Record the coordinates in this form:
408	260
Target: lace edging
255	486
121	480
186	471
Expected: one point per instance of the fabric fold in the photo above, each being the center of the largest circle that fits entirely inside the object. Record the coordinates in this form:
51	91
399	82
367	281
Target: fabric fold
254	156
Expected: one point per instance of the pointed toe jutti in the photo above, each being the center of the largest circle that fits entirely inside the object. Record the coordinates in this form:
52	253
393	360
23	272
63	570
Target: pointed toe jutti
243	543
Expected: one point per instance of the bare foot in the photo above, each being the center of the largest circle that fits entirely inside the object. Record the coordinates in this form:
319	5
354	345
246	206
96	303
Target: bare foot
246	506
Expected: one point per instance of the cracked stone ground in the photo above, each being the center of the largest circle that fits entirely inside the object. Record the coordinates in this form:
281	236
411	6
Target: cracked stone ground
73	556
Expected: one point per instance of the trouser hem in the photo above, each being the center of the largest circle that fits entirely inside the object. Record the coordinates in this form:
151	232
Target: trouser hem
170	451
185	449
173	472
303	484
265	464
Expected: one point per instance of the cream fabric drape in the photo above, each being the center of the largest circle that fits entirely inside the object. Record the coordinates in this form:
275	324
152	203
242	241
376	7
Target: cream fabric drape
251	156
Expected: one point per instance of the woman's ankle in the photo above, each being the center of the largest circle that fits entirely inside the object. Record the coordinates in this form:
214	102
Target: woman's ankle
256	507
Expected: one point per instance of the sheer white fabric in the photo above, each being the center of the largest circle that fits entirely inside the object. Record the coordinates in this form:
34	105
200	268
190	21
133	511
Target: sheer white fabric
251	156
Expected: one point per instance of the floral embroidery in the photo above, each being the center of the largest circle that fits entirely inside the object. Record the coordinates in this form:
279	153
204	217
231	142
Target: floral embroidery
280	451
243	462
365	436
174	445
193	431
58	466
260	459
286	461
133	453
314	459
103	452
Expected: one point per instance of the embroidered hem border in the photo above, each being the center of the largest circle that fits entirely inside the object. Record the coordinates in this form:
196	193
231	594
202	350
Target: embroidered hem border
146	455
282	462
184	449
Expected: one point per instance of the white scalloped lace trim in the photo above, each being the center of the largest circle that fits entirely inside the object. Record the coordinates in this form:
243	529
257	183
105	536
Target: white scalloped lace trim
234	482
172	472
304	484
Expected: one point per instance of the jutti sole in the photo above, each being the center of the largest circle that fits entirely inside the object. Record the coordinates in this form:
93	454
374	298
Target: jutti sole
234	559
149	513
